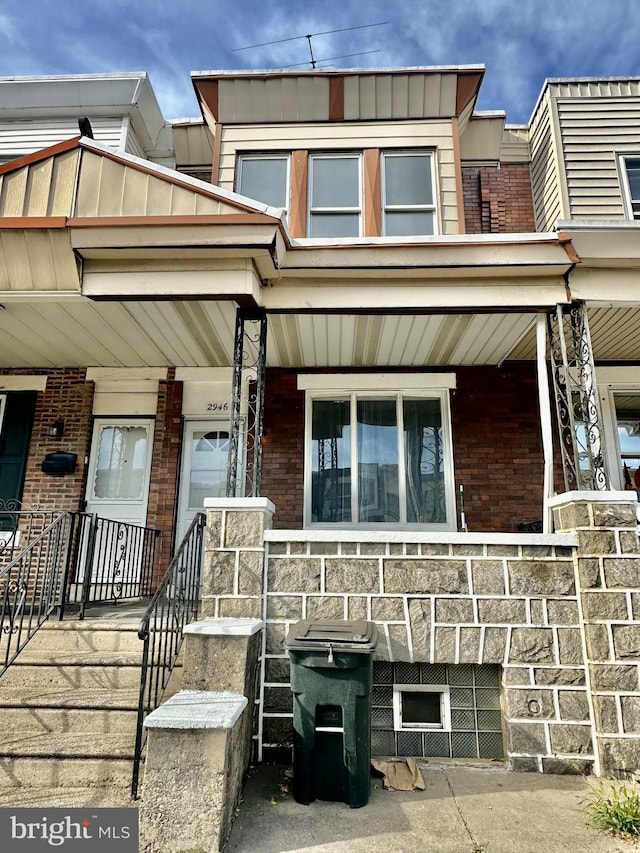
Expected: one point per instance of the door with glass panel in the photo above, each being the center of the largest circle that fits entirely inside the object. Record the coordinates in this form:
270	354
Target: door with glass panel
205	451
118	491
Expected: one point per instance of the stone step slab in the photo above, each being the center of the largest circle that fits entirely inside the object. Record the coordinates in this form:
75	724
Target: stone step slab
84	636
37	772
72	722
66	676
84	698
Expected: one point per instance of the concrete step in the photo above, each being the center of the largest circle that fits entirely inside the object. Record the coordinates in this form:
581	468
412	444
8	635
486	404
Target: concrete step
66	760
86	698
87	636
66	798
19	721
64	676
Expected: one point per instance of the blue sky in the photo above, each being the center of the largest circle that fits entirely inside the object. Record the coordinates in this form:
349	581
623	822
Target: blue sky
521	42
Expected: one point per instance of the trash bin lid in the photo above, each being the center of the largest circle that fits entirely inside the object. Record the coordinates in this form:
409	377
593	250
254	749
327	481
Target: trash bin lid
355	635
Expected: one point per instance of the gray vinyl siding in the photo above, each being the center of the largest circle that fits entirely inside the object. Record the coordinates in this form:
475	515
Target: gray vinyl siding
594	131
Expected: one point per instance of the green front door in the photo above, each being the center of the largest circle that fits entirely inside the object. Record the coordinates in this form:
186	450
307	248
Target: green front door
16	420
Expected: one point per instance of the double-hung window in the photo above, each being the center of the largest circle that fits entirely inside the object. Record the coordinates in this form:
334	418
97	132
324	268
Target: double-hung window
632	175
335	195
408	198
264	178
377	456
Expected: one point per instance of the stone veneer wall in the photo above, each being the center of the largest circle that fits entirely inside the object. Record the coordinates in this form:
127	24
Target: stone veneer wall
460	598
608	564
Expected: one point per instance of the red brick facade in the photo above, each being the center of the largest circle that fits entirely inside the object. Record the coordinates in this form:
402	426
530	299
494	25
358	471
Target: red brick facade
165	464
498	199
69	398
496	437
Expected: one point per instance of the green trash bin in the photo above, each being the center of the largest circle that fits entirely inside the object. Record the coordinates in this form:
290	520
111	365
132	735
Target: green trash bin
331	666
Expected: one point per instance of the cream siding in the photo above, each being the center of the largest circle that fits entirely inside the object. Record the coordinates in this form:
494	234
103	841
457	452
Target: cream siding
108	188
193	145
545	175
399	96
44	188
594	131
248	100
26	137
436	135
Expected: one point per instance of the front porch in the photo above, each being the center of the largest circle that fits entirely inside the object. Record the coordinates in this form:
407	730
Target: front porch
541	628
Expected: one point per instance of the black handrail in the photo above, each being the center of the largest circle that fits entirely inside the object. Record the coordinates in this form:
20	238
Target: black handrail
174	604
31	586
114	560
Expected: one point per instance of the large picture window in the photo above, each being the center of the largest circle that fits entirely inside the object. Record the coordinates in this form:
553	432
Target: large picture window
379	458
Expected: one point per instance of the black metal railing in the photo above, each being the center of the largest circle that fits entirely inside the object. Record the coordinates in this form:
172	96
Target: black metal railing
174	604
114	561
18	528
32	586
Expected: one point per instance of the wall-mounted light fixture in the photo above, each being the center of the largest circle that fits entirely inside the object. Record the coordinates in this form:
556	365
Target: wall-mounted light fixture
56	430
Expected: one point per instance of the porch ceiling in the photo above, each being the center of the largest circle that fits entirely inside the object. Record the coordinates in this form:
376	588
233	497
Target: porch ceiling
72	331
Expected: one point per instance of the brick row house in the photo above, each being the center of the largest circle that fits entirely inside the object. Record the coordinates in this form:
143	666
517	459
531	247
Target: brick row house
393	337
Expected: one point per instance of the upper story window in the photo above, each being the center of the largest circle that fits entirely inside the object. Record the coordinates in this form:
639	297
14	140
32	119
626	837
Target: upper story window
632	174
335	195
407	190
264	178
378	456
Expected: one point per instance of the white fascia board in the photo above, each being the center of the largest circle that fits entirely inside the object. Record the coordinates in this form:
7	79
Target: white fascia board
375	381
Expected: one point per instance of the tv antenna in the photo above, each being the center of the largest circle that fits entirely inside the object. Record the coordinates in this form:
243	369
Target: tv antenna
312	59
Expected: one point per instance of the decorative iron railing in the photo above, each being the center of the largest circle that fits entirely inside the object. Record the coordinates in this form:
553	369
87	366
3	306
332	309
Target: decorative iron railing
32	586
114	561
18	528
174	604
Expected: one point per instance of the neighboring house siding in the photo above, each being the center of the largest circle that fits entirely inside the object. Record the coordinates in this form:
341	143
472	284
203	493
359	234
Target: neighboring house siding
545	177
346	136
502	484
25	137
498	199
593	131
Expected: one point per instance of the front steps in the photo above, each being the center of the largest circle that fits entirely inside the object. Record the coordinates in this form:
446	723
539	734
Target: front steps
68	708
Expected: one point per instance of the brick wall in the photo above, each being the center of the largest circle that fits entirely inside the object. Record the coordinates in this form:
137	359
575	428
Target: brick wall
165	462
68	398
496	437
498	199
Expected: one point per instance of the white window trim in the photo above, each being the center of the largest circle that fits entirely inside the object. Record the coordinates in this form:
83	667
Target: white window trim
383	386
275	155
445	707
610	381
3	404
337	155
624	183
433	207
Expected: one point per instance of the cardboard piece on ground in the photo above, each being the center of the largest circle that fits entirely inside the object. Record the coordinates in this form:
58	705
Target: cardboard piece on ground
401	775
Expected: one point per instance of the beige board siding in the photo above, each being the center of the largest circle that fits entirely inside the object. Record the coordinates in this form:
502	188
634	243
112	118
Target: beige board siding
44	188
594	131
193	145
274	99
399	96
25	137
108	188
545	178
346	136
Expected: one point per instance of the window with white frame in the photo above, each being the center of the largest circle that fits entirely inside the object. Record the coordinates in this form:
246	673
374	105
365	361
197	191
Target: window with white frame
335	195
408	203
631	177
264	178
419	707
379	457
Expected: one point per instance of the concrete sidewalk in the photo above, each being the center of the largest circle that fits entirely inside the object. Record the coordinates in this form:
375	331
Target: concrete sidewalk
464	809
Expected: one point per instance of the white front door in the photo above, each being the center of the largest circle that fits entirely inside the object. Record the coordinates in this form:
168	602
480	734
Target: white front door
120	468
205	449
